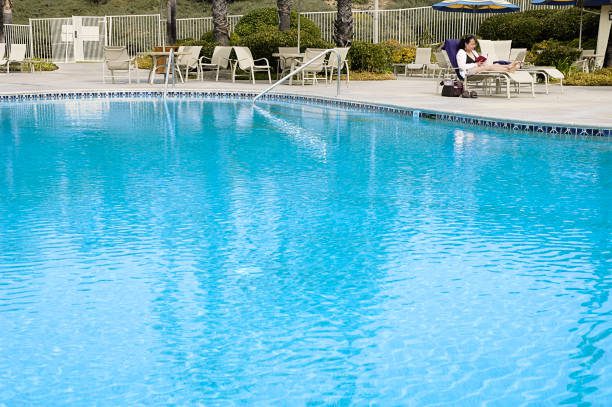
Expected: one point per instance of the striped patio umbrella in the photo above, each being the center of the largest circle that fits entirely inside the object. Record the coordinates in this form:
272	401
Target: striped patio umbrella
476	6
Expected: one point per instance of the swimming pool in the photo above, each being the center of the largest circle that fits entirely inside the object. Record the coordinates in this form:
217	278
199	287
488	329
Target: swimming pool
197	251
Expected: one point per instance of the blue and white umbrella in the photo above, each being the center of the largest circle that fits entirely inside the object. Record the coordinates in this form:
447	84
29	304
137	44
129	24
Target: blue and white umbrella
476	6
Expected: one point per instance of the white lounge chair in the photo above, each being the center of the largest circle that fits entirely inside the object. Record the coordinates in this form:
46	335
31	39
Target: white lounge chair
190	61
547	72
331	64
509	79
219	60
246	63
421	61
118	59
443	65
315	62
518	54
17	54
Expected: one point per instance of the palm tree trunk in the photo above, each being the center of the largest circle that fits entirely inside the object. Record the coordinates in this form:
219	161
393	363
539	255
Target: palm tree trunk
7	17
220	23
343	26
171	22
284	14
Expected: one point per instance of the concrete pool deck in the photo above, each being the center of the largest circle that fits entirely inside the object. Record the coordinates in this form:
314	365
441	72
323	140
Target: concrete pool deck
577	106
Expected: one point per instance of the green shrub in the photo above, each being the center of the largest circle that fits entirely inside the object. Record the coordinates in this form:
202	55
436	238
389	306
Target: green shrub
266	41
263	18
371	57
555	53
41	65
601	77
533	26
401	54
259	31
379	58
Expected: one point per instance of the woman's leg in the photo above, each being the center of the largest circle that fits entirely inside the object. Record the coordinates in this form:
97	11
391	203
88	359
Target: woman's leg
495	68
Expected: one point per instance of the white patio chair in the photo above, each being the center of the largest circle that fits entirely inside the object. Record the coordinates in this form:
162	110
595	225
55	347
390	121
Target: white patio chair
220	59
246	63
118	59
582	63
190	61
316	65
17	54
332	64
421	61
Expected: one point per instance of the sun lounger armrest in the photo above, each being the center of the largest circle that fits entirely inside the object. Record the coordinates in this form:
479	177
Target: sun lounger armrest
204	57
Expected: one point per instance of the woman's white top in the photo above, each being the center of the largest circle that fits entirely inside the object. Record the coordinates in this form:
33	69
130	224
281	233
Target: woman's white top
462	63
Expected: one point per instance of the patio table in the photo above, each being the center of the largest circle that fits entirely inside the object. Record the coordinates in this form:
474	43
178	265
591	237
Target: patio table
286	57
166	54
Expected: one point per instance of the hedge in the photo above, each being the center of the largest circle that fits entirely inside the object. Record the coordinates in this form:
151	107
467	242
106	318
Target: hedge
533	26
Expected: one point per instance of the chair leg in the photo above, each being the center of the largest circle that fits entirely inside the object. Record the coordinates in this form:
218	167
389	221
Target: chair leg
348	74
216	79
253	76
269	76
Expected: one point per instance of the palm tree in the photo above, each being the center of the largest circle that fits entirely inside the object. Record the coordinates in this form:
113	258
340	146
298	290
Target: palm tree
171	22
7	16
343	26
284	14
220	24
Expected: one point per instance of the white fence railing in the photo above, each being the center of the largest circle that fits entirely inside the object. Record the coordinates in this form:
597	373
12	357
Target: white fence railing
17	34
195	28
82	38
136	32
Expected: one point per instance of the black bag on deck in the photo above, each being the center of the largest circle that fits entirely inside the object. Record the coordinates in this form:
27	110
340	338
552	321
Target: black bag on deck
451	88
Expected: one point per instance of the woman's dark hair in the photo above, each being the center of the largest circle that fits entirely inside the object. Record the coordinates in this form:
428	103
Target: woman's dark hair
466	40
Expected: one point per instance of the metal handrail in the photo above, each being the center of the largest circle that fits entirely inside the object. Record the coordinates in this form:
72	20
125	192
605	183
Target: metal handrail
301	68
169	65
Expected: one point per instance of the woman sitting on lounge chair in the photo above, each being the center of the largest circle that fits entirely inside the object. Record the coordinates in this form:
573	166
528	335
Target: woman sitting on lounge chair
469	62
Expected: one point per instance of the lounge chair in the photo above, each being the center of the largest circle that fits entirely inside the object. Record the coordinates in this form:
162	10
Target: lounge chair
191	61
220	59
286	58
118	59
515	79
332	64
17	54
442	66
315	65
509	79
547	72
421	62
246	63
518	54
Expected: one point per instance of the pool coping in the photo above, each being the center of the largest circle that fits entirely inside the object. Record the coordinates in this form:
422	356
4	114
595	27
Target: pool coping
474	120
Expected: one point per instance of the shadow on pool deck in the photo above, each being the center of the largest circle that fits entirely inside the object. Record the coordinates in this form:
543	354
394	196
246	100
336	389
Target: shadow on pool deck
587	106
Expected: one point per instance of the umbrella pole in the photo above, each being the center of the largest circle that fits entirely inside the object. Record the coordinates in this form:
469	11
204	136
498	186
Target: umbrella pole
580	34
298	17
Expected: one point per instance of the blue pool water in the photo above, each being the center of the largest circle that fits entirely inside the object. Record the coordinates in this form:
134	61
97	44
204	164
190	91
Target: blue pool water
205	252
